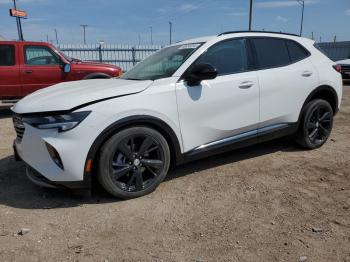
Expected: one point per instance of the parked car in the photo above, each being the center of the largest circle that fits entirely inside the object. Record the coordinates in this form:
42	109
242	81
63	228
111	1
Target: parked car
345	68
28	66
189	100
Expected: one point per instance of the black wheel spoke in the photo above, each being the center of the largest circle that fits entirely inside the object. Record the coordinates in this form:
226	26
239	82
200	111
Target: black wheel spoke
311	125
155	163
323	130
118	173
139	180
318	113
325	116
151	149
131	180
146	144
125	150
151	171
313	134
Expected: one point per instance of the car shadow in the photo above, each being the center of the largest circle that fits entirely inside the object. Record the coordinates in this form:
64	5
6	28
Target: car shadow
18	192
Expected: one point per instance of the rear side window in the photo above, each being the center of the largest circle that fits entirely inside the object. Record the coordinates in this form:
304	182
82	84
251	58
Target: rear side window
7	55
271	52
296	51
228	57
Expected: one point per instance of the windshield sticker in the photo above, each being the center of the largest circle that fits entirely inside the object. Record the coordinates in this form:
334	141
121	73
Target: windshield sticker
189	46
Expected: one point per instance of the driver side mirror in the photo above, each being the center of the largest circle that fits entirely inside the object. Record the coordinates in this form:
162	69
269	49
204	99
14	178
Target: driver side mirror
67	68
199	73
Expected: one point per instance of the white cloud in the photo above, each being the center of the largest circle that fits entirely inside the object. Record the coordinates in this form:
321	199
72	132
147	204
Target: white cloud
187	8
237	14
347	12
286	3
281	19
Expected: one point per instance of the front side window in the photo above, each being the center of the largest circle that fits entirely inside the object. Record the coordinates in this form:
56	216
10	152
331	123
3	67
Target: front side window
40	55
228	57
7	55
296	51
271	52
162	64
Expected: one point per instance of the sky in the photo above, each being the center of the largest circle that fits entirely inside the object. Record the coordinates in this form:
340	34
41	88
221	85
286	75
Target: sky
129	21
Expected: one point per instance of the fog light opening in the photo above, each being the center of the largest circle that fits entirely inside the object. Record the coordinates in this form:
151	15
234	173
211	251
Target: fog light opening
54	155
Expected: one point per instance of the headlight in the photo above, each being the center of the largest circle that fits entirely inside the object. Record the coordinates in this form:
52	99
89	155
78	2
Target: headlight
61	122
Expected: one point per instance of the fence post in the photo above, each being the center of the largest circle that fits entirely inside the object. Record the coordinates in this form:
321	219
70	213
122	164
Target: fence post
100	52
133	52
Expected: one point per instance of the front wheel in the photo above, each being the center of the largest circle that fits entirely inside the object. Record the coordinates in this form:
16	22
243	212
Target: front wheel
316	124
133	162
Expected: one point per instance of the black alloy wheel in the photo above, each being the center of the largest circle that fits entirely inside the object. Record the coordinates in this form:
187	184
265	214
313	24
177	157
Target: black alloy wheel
316	124
134	162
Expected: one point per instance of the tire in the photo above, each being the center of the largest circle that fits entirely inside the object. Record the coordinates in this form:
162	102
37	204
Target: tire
133	162
315	125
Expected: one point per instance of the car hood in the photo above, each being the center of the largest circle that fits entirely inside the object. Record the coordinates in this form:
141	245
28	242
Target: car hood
66	96
344	62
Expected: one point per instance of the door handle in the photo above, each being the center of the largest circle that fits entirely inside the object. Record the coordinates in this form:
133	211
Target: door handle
246	84
306	73
29	71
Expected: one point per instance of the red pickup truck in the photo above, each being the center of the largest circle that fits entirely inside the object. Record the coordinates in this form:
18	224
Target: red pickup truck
28	66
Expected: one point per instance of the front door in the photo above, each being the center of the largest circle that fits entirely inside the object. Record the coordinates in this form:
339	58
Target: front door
10	84
41	68
224	108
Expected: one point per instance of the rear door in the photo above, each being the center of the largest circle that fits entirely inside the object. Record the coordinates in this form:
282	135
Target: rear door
286	77
41	68
10	84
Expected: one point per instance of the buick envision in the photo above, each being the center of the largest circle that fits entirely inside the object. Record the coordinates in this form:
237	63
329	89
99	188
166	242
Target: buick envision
192	99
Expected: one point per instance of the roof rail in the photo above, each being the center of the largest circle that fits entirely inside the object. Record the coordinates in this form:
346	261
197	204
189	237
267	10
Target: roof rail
267	32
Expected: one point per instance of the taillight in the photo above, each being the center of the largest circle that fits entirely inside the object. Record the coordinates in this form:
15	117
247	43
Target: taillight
337	68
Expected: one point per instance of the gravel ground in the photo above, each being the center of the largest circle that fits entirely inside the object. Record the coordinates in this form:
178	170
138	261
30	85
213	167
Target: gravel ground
270	202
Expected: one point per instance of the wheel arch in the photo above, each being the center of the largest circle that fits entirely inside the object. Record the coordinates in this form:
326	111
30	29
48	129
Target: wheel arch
96	76
324	92
148	121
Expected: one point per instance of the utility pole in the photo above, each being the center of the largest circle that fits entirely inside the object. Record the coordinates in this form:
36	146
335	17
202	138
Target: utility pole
84	28
302	3
335	38
250	15
171	28
139	39
312	35
151	28
19	25
47	38
56	36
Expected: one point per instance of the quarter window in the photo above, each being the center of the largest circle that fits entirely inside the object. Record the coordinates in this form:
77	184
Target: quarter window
271	52
40	55
228	57
7	55
296	52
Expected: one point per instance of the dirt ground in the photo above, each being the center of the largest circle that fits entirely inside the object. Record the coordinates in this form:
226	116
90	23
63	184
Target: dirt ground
270	202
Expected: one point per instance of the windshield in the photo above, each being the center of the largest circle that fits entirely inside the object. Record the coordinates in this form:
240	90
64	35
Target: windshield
69	59
162	64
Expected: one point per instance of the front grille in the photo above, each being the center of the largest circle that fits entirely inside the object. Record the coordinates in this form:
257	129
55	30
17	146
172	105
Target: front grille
19	127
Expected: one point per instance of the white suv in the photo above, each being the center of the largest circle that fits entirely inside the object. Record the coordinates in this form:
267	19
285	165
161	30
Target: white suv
189	100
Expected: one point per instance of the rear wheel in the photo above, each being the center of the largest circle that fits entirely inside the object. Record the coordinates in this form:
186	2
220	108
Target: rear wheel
316	124
133	162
